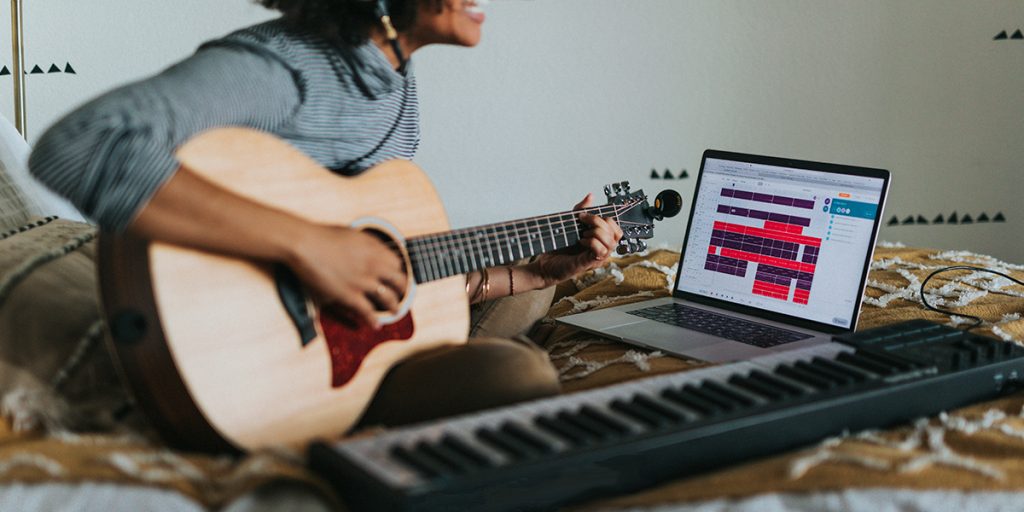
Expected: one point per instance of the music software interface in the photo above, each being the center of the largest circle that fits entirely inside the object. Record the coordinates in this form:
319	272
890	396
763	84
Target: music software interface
793	241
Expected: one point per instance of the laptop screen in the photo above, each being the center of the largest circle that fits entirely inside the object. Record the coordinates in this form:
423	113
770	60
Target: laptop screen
789	237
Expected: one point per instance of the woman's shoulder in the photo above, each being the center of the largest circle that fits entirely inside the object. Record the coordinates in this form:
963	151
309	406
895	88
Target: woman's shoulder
275	37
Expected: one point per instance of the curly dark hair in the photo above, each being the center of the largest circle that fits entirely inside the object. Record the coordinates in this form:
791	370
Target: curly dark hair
345	21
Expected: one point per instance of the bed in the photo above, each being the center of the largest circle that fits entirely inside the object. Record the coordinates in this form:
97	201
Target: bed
90	451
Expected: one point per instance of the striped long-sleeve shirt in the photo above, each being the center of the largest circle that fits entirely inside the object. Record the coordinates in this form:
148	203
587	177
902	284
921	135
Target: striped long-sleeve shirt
344	107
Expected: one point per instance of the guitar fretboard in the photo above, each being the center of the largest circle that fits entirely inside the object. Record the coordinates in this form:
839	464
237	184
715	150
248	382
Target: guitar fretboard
441	255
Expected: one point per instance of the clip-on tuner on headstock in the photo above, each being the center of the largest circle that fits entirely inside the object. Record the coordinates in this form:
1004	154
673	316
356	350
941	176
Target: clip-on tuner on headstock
637	223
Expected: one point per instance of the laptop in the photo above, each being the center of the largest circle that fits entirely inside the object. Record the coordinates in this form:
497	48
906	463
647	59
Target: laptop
775	257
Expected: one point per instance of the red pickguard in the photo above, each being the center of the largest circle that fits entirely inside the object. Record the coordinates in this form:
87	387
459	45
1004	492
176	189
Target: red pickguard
348	345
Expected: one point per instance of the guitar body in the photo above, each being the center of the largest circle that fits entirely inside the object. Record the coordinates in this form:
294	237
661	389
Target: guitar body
206	342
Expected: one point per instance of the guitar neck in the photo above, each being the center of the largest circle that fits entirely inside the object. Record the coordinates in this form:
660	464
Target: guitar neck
441	255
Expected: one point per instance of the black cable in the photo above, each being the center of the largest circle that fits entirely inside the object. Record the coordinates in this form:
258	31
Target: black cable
977	320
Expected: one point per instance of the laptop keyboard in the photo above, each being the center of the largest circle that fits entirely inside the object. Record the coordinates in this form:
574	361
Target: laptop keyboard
723	326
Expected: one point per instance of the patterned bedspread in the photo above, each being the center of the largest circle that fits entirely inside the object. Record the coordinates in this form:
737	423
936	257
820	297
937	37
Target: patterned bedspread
979	448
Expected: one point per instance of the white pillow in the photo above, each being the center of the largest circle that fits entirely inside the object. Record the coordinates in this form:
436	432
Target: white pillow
28	193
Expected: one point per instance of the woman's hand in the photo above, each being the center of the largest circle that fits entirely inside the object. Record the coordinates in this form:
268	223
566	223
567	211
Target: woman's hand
594	249
351	270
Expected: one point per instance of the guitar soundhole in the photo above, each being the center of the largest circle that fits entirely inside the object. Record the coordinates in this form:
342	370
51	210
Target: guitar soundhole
397	249
350	341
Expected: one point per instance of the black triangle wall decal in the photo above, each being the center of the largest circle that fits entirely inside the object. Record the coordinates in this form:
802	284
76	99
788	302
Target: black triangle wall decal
966	219
938	220
655	175
1000	36
5	71
667	175
952	219
53	69
894	221
983	217
999	218
36	70
684	175
909	220
921	219
69	69
1017	35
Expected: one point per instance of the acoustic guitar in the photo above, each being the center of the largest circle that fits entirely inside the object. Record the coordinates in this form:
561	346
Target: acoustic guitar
225	353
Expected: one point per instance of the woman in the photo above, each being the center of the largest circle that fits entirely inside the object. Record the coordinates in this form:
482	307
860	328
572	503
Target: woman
332	78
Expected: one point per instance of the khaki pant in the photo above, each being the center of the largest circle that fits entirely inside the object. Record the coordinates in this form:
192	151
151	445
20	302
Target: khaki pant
499	367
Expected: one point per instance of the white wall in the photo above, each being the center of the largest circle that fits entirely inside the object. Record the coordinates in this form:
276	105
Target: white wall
564	96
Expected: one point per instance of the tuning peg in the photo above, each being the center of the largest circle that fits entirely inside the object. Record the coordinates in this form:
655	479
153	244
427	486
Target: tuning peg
623	248
642	244
625	187
608	191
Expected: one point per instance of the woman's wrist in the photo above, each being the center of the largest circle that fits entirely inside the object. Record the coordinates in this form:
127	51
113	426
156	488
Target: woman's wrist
530	277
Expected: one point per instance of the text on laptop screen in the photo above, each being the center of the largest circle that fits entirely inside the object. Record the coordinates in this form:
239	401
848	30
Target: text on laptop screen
792	241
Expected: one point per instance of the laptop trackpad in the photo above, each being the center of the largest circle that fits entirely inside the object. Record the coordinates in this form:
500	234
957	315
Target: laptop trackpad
662	336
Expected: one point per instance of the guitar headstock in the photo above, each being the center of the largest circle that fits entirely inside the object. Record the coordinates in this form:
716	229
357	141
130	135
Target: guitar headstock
636	217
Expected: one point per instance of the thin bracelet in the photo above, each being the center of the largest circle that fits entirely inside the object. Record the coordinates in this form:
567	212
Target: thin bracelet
487	285
511	283
479	287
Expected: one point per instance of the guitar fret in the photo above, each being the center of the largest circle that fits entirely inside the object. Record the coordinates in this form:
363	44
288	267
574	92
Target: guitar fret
461	249
478	239
540	235
434	263
534	236
414	258
561	222
446	256
519	242
495	244
551	233
508	243
493	257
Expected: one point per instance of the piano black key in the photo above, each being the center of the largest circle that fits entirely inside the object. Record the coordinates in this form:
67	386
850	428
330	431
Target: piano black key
722	403
425	466
639	414
455	444
605	419
595	429
454	461
741	398
772	394
786	387
839	379
688	398
509	445
973	352
856	374
658	408
804	377
564	430
867	364
886	359
533	442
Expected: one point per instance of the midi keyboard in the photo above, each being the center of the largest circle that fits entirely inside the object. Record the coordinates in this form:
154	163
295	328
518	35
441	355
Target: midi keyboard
540	454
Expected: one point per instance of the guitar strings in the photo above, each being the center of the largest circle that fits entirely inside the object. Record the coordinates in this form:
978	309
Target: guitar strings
503	237
425	250
445	240
502	234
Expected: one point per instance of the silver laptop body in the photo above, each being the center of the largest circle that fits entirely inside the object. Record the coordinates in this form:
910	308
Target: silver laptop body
775	257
